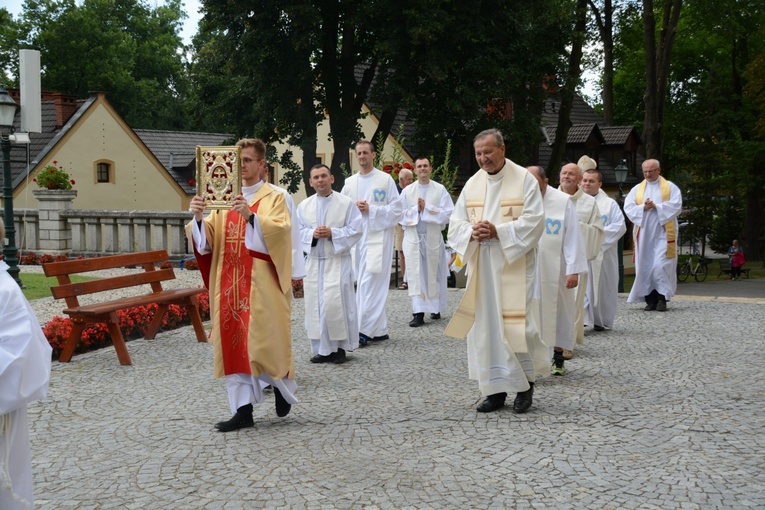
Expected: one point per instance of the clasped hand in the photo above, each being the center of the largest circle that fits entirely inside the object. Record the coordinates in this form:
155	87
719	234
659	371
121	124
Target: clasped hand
322	232
483	231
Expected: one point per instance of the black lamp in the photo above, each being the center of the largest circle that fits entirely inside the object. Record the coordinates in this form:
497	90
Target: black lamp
8	109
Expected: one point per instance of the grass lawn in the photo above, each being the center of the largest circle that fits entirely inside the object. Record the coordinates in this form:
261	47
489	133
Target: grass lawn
38	285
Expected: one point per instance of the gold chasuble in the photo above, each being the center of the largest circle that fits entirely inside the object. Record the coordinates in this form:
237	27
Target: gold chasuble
513	274
669	226
250	292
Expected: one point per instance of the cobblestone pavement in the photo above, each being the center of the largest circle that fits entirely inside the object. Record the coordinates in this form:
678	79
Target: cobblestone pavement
665	411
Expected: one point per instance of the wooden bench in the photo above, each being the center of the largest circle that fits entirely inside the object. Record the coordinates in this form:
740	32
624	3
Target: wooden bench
725	268
106	312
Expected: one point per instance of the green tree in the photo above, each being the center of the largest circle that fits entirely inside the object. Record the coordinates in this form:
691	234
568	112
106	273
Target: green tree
126	48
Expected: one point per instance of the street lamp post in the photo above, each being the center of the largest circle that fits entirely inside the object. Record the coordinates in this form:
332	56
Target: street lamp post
621	177
8	109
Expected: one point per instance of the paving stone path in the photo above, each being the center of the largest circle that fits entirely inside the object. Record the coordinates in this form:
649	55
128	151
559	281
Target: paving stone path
665	411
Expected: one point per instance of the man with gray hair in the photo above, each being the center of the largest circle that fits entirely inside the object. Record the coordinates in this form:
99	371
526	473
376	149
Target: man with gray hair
405	178
495	227
653	207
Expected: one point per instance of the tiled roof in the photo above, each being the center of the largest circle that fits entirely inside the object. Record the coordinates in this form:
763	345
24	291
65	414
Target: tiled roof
581	112
176	150
617	135
38	142
576	134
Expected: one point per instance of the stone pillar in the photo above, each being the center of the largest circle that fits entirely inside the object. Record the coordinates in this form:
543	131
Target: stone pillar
55	235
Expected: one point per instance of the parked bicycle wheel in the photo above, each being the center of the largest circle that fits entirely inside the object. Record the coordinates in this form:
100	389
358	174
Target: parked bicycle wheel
701	272
683	270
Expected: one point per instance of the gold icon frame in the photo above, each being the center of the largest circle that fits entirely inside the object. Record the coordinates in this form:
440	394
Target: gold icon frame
219	175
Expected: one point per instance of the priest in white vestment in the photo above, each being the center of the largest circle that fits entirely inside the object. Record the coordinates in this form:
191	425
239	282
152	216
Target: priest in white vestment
427	207
376	197
653	207
592	232
495	228
330	225
25	360
603	285
560	260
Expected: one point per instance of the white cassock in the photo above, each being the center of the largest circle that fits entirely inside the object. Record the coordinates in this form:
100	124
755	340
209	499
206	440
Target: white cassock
423	246
653	269
602	287
561	252
25	360
298	257
374	253
592	232
331	318
491	361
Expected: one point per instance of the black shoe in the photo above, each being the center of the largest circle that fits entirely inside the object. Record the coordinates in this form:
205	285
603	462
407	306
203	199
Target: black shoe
492	403
240	420
435	316
661	306
323	359
282	406
417	321
523	400
598	328
650	307
363	340
339	357
380	338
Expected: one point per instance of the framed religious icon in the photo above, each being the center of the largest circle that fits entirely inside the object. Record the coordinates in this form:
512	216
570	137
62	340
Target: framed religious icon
219	175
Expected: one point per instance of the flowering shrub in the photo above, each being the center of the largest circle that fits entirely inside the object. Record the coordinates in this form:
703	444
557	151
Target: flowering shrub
53	177
133	323
30	259
166	265
191	264
396	168
46	257
61	258
297	289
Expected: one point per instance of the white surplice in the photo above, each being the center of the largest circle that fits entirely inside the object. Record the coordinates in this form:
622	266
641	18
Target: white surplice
423	246
561	252
591	224
25	361
373	254
653	270
490	360
331	318
298	257
602	288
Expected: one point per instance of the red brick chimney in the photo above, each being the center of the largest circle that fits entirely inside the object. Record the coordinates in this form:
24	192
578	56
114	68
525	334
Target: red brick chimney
65	104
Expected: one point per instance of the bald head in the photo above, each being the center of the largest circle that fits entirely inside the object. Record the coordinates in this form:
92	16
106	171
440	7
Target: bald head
570	175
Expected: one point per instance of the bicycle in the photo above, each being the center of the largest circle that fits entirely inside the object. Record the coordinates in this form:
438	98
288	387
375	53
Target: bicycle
699	271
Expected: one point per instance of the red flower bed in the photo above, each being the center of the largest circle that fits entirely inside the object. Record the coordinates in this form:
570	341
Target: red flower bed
133	323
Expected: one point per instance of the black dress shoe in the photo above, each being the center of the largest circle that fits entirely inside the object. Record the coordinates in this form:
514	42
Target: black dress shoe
282	406
417	321
599	328
323	359
523	400
240	420
661	306
380	338
650	307
363	340
435	316
339	357
492	403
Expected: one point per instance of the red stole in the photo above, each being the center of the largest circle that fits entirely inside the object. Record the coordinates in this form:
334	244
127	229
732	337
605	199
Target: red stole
234	288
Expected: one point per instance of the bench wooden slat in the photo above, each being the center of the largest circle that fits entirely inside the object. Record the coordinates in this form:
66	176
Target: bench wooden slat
94	264
106	312
166	296
117	282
